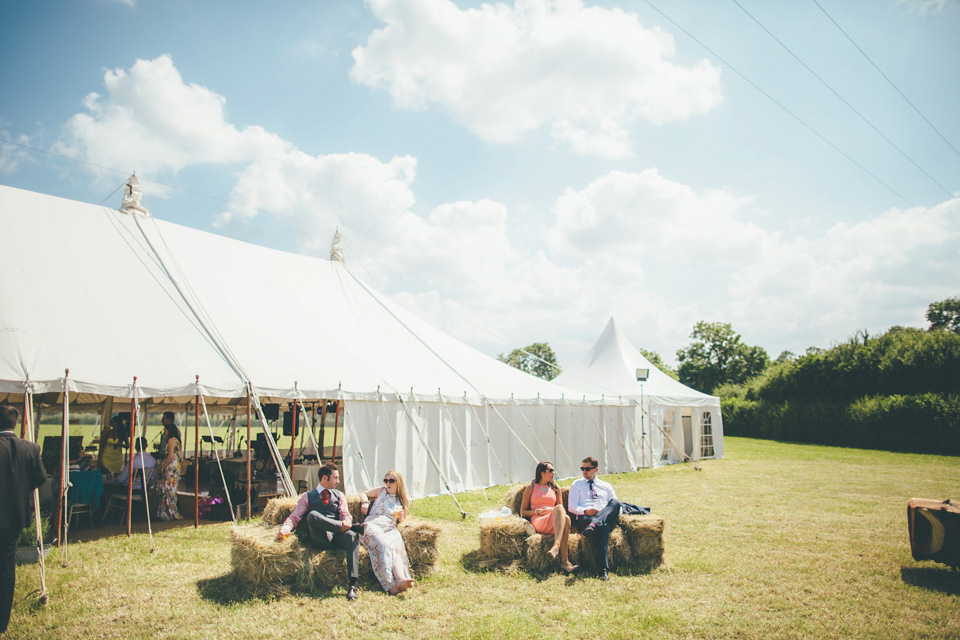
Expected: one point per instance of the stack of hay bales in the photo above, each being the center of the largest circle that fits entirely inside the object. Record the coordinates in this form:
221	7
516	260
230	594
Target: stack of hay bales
269	566
635	546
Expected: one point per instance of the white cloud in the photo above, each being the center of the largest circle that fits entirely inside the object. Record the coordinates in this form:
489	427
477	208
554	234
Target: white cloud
586	73
657	254
11	155
153	122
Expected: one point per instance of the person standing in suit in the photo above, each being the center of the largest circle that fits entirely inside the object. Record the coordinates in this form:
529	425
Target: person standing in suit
21	471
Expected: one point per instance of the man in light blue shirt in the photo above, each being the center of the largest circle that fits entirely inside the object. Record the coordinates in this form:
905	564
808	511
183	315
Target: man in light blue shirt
596	511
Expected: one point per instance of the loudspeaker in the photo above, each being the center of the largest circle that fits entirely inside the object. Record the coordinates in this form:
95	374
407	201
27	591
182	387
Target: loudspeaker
288	423
271	411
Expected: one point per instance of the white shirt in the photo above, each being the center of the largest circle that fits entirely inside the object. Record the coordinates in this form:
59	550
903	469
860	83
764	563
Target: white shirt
149	462
581	499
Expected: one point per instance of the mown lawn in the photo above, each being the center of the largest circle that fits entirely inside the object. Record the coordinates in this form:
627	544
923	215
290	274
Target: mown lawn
775	540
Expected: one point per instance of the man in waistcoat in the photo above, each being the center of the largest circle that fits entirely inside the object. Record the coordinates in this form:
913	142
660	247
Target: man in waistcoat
596	511
20	473
328	522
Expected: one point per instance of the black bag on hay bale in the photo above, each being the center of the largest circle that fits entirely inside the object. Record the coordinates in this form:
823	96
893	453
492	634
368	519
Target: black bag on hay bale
934	531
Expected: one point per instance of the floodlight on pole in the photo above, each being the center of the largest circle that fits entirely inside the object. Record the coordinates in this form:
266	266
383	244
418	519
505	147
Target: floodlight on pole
642	375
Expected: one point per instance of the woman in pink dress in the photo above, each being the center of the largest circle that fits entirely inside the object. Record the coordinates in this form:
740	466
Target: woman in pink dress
388	555
543	505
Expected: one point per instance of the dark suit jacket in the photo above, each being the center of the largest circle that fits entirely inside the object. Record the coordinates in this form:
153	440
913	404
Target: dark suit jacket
21	471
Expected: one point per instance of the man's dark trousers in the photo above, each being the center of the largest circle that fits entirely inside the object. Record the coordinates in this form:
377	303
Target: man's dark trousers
603	524
325	534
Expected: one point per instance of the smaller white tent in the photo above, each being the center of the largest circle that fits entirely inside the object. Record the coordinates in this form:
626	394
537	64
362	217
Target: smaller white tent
677	422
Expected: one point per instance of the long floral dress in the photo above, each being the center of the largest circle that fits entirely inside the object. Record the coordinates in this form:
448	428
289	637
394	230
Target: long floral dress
388	555
169	479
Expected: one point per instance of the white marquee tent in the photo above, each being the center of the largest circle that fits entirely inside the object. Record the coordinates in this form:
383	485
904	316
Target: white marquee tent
112	294
677	422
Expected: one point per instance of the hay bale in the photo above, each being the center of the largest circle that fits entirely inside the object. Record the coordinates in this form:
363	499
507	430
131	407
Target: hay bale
536	557
620	554
503	541
514	497
278	509
645	535
263	563
420	539
273	567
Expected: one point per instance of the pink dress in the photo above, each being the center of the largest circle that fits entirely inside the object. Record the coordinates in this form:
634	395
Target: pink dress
543	496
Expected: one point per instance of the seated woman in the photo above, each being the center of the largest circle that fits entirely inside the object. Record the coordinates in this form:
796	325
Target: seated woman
388	555
543	504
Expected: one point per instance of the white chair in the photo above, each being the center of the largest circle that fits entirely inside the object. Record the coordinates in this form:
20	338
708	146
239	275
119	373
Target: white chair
78	509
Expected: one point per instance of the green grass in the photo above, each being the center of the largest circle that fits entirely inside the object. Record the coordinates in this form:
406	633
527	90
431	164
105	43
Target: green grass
775	540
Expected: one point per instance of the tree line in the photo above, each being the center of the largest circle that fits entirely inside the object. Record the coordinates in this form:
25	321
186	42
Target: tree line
898	391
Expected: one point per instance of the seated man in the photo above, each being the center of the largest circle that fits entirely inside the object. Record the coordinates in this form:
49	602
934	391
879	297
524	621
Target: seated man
141	460
328	522
595	510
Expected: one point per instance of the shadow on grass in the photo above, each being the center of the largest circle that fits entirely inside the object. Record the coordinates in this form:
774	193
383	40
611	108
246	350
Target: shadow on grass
942	579
476	562
227	590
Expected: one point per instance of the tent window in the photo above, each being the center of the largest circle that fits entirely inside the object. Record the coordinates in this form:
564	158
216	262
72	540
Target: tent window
706	435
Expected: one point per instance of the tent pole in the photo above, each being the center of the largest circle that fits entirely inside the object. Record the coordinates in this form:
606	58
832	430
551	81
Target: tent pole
64	470
293	433
196	458
249	512
28	419
336	424
133	413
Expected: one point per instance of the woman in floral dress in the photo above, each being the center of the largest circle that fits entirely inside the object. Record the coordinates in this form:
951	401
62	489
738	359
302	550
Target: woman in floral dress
388	555
170	475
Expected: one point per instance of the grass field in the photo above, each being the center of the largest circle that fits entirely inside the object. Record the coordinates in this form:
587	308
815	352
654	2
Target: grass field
775	540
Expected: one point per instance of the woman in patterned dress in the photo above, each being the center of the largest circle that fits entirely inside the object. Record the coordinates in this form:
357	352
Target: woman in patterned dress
170	475
543	505
388	555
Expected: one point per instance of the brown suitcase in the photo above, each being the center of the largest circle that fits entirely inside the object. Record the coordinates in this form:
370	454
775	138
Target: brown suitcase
934	530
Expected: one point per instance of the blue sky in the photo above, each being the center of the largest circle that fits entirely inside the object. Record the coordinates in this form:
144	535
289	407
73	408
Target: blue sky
521	171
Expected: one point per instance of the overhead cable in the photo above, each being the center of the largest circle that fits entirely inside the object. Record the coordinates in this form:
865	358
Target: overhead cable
843	100
885	77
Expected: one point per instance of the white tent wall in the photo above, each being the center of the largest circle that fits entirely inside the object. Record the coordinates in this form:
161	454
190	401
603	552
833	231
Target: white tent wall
432	440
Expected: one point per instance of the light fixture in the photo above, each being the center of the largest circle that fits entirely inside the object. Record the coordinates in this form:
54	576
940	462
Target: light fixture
642	374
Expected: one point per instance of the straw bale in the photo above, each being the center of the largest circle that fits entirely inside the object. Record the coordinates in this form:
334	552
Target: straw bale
536	557
620	553
645	535
420	539
503	541
278	509
581	551
270	566
514	497
263	563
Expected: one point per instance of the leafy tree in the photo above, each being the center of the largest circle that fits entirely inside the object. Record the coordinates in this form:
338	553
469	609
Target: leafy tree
944	315
536	359
718	355
658	362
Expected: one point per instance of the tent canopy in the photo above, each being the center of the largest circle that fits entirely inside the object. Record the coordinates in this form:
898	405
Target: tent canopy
115	294
610	368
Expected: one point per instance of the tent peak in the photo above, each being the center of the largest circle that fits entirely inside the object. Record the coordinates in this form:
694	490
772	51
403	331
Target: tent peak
336	248
133	198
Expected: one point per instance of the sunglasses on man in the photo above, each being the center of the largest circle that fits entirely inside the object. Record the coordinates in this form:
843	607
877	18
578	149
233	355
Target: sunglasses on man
587	468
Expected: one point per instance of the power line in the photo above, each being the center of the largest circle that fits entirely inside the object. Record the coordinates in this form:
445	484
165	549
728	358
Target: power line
842	99
880	71
781	105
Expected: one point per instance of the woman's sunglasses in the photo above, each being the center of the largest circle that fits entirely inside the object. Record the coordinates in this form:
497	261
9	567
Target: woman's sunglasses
389	480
